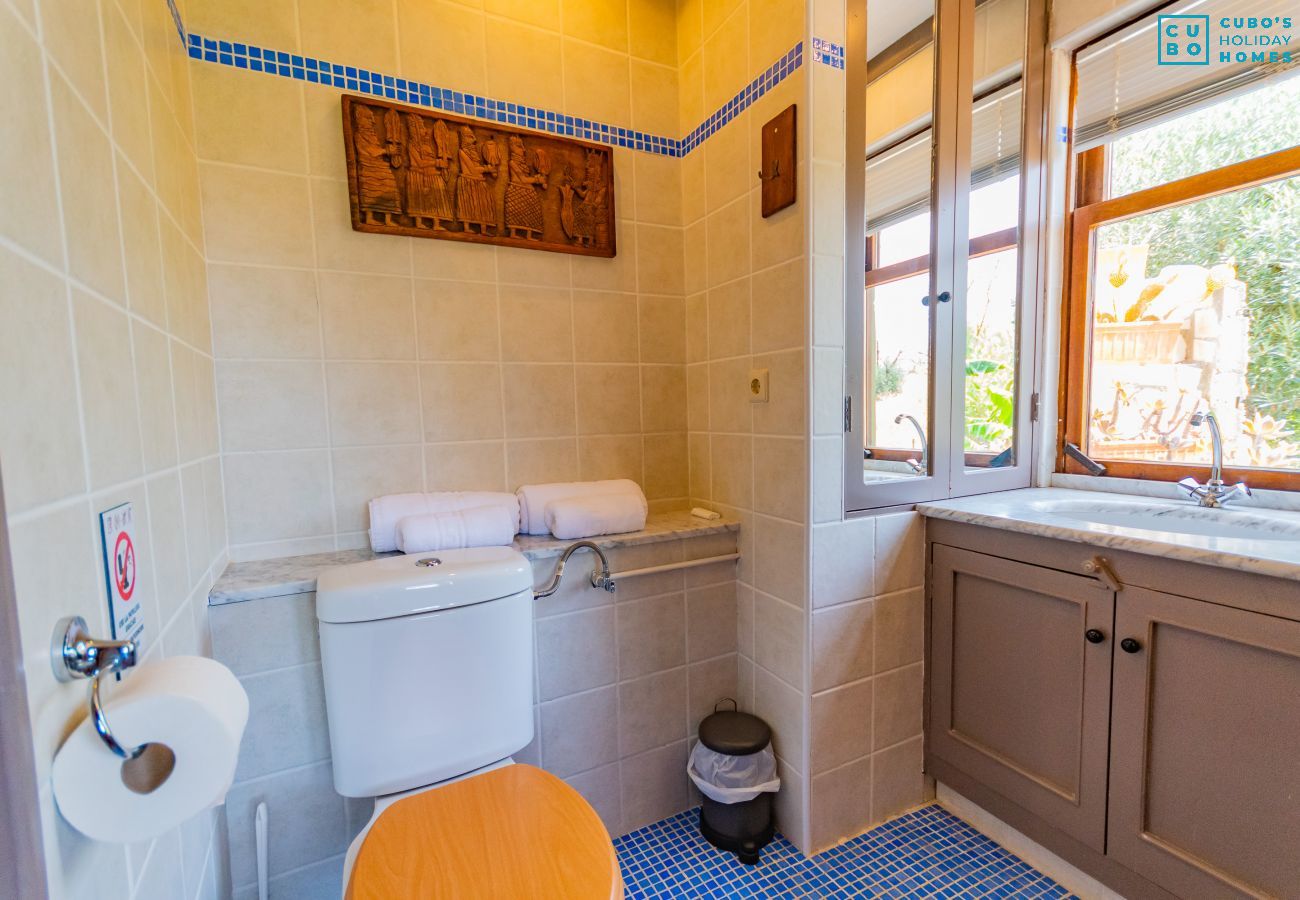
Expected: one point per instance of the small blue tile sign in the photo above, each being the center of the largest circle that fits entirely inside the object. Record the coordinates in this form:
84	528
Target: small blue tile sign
121	573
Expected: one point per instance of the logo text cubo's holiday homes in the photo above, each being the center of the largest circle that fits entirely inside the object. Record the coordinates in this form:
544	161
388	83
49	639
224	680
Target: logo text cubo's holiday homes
1202	40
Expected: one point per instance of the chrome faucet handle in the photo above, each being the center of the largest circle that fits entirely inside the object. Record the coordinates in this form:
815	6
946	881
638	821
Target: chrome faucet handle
1193	487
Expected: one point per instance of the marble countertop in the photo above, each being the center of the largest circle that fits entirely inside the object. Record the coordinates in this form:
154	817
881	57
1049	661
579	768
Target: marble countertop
297	574
1267	542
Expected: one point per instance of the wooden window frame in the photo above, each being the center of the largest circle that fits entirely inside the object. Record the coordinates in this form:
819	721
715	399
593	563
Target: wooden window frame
1093	209
985	244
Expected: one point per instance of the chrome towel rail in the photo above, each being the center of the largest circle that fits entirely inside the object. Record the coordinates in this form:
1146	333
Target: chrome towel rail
601	577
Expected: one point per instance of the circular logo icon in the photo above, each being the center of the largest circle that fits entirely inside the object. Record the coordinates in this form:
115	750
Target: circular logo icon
124	566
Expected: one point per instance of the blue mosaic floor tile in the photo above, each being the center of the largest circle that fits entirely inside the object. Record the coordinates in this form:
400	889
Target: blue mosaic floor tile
928	853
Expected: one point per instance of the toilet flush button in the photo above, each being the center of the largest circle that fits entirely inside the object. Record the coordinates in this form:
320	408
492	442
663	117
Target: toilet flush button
429	562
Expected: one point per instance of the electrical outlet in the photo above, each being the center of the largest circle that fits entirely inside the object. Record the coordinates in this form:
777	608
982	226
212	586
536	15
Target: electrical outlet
758	385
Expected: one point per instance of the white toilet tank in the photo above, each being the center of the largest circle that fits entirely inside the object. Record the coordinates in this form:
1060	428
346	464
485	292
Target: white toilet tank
428	665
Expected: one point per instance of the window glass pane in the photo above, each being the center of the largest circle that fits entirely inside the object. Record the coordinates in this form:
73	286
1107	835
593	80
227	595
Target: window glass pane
992	278
1231	130
897	369
907	239
899	352
991	351
1196	308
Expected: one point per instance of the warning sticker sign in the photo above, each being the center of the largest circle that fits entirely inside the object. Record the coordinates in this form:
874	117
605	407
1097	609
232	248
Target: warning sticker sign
117	528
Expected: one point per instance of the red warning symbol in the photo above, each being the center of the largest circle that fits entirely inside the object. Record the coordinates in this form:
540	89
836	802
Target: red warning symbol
124	566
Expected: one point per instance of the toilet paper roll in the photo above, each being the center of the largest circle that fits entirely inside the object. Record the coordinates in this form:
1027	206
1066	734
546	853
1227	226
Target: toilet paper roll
189	705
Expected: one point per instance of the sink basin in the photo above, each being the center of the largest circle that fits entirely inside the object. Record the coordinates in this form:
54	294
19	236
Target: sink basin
1175	520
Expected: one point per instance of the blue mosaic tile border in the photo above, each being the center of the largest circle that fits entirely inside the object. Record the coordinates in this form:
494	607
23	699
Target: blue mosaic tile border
366	81
828	53
928	853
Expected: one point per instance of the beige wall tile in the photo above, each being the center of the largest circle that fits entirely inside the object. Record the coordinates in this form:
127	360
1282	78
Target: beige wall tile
900	552
605	326
897	705
779	301
580	732
900	629
659	200
128	92
652	31
651	637
619	273
40	432
153	378
110	409
690	27
457	320
144	271
841	726
779	237
540	461
366	36
603	789
842	644
89	197
249	119
26	154
781	706
779	565
897	779
699	459
708	683
697	397
442	43
450	260
72	37
271	405
264	313
610	456
711	621
325	153
598	82
663	398
363	473
786	409
479	466
665	466
729	173
728	243
729	322
841	803
697	325
234	232
655	96
726	58
526	65
654	785
658	259
733	470
604	23
462	401
275	27
779	638
729	406
373	403
576	652
608	399
653	711
339	247
367	316
843	561
539	400
536	325
781	477
531	269
274	496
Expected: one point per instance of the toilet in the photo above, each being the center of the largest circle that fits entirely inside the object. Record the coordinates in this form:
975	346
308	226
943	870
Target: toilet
428	669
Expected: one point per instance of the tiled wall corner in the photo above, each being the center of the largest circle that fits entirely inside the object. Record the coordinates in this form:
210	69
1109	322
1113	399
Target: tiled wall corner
104	306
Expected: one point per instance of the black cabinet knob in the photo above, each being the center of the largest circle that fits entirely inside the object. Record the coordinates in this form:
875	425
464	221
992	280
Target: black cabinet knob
1094	635
1130	645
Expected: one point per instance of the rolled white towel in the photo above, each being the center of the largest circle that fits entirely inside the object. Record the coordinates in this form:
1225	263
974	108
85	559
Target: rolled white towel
483	526
581	517
533	498
387	511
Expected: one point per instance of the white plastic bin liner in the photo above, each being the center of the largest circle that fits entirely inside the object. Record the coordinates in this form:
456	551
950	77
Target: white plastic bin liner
733	779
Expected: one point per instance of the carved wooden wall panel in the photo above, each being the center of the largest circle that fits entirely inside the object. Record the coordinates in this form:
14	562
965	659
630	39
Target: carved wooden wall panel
426	174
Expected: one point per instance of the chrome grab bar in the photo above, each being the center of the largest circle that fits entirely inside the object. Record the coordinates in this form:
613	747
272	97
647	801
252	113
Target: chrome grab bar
600	578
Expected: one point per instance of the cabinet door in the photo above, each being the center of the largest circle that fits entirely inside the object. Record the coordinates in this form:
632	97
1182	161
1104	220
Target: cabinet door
1205	753
1019	696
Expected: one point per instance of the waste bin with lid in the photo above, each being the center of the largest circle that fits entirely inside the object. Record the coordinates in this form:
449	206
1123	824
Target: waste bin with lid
735	769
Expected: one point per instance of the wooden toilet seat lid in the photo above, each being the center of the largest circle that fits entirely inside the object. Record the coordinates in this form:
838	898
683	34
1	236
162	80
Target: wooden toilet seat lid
513	832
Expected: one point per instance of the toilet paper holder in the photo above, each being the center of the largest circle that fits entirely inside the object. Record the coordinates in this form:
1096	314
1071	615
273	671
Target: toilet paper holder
75	654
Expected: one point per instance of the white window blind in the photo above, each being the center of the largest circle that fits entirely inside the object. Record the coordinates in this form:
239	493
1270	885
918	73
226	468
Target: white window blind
898	176
1121	89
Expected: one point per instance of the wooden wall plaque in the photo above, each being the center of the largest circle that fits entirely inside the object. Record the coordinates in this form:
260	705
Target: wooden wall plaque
779	162
424	173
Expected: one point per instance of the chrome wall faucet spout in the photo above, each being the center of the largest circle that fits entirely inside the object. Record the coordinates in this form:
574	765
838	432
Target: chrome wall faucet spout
1214	493
921	466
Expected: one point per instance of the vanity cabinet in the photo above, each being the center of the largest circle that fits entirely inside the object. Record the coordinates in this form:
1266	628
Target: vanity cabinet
1150	735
